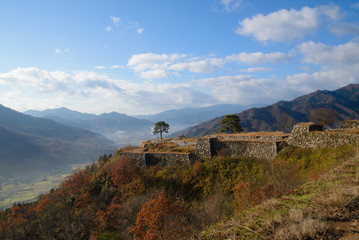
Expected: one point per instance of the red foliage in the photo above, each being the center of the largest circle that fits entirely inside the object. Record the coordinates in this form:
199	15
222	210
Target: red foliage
76	182
111	218
42	204
122	171
159	219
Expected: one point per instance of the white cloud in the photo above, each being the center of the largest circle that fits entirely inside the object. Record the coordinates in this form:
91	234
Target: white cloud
318	53
151	65
329	78
115	20
231	5
140	30
201	66
256	69
43	80
286	25
108	28
258	58
32	88
116	67
344	28
151	74
243	89
158	65
100	67
87	91
57	50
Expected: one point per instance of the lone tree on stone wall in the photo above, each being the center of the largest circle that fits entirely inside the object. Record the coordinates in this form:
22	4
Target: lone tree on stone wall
161	127
230	124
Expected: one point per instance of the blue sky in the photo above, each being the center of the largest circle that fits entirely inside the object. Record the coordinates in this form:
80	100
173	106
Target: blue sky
142	57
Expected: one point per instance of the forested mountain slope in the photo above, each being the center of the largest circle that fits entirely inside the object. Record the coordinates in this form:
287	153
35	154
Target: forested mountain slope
345	101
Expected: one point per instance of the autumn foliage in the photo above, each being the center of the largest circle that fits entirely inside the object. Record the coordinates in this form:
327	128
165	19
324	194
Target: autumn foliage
160	219
114	199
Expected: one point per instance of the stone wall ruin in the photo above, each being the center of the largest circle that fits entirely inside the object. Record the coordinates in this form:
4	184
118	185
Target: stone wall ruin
256	145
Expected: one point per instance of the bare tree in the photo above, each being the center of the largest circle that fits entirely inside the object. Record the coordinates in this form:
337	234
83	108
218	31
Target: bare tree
323	116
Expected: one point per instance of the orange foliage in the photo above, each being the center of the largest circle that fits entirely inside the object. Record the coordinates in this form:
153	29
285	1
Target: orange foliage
122	171
111	218
248	194
159	219
82	201
42	204
76	182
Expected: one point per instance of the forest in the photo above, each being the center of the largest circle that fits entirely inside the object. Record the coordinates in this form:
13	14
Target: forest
114	199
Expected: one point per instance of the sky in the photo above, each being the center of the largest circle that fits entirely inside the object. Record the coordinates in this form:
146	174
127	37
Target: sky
147	56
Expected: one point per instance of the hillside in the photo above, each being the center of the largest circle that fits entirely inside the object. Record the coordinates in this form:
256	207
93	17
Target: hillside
326	208
113	198
345	101
29	143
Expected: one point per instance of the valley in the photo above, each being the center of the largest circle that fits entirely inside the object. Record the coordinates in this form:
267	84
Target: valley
32	184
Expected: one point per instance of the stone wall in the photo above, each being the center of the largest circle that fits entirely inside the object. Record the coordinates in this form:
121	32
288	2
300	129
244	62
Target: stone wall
248	146
302	128
203	149
321	139
254	137
258	145
350	124
147	159
257	149
139	158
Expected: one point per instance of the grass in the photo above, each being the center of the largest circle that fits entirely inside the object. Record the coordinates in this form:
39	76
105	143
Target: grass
312	211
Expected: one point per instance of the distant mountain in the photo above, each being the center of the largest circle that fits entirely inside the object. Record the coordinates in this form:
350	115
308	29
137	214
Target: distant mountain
345	101
121	128
28	143
185	117
62	113
124	129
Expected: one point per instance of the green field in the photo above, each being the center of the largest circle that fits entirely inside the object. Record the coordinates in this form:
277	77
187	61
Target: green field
27	189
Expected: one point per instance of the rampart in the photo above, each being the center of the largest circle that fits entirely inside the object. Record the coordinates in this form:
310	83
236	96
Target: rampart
257	145
310	135
262	145
321	139
350	124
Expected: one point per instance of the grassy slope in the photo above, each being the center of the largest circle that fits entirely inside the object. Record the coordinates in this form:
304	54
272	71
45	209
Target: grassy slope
326	208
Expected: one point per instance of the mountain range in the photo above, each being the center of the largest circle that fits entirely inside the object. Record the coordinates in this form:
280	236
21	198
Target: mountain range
192	116
124	129
29	143
344	101
120	128
61	136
